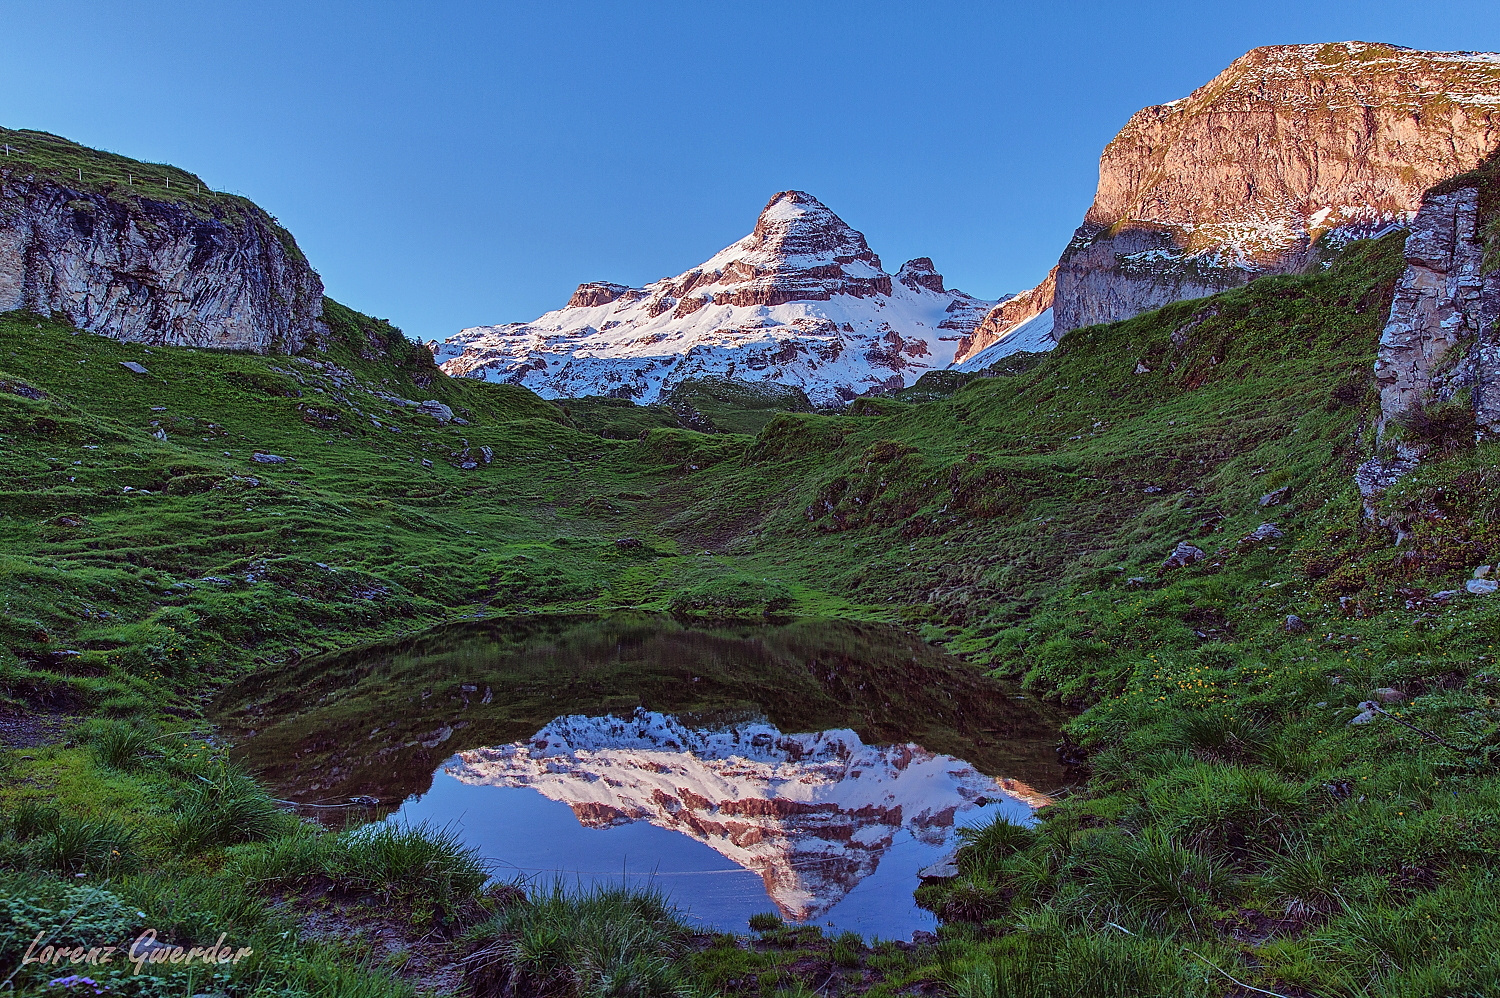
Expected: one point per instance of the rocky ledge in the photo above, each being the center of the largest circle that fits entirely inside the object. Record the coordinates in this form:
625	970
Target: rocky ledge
1290	148
144	253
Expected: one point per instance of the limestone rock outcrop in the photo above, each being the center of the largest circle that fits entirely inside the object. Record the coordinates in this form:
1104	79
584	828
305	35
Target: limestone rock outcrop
1290	148
802	300
1440	344
595	293
1441	338
144	262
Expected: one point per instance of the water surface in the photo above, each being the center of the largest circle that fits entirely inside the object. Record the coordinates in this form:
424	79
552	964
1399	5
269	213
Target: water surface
811	768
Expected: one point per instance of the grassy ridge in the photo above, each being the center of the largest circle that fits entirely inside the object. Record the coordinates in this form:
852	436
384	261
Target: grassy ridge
32	155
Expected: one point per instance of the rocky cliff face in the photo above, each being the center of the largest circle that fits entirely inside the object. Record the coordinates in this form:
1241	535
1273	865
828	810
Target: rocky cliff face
802	301
1290	148
142	253
1441	338
1439	354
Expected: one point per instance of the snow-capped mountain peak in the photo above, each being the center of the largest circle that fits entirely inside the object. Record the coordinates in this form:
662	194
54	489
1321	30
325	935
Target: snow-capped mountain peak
802	300
799	251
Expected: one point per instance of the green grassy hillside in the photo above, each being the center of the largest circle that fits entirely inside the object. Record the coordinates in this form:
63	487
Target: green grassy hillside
167	529
148	531
1233	811
1233	822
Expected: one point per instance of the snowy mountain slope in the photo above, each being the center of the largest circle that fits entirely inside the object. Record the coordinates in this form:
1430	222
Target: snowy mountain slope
802	301
811	813
1035	335
1019	322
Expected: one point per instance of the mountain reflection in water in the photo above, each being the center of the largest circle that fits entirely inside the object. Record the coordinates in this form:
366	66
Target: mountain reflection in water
640	770
812	815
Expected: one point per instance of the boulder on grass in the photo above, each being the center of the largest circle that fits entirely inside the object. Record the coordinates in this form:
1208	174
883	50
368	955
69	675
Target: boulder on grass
1183	555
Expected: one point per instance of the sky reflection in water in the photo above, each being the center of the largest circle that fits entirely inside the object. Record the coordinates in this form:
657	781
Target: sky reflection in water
727	820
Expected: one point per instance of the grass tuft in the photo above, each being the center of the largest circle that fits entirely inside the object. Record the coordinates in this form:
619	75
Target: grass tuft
227	808
766	921
76	845
605	941
415	864
119	744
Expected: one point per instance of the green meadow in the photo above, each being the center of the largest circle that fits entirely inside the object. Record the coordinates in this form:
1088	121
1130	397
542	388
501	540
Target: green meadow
170	533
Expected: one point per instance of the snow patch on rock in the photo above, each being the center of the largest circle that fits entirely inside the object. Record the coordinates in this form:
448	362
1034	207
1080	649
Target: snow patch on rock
1033	335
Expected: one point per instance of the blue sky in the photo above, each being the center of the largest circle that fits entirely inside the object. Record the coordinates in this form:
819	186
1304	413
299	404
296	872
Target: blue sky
451	164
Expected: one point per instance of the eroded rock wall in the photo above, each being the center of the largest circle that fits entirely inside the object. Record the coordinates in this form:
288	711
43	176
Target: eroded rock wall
1440	338
1290	147
1440	343
153	271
